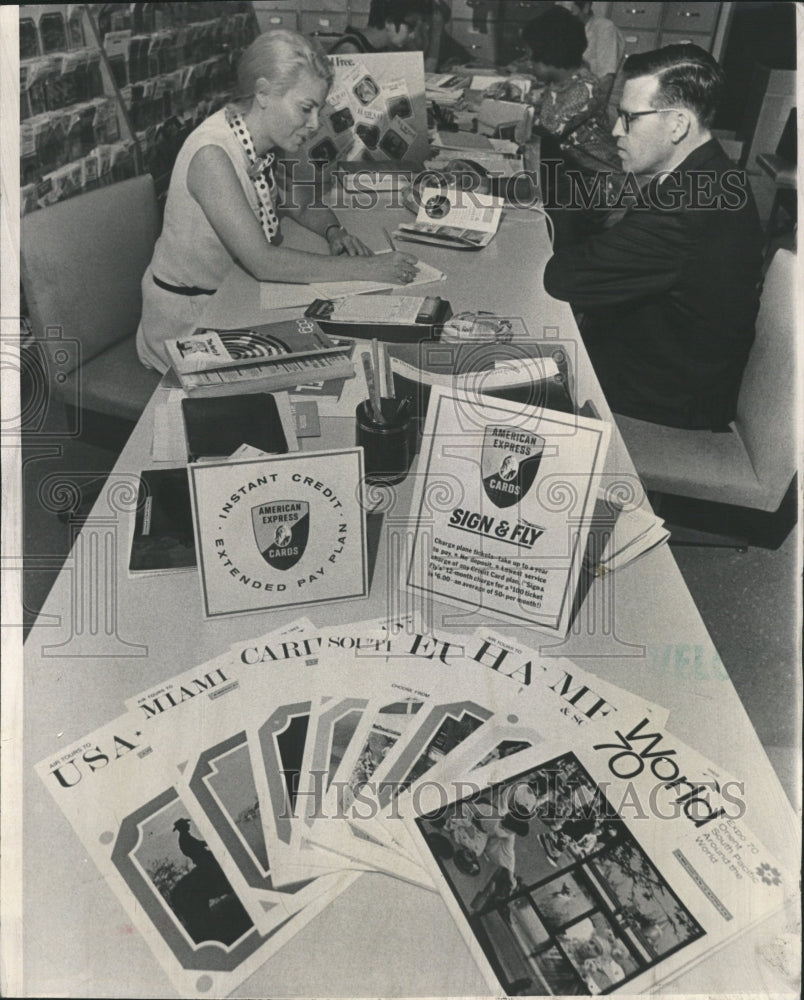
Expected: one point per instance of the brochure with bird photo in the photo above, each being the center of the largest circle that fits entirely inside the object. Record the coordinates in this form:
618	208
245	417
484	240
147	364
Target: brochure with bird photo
121	799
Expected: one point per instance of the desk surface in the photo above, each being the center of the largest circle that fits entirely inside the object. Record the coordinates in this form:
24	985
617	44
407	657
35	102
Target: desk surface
102	637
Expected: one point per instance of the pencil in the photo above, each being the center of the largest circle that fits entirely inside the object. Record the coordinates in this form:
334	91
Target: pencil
374	393
390	239
375	362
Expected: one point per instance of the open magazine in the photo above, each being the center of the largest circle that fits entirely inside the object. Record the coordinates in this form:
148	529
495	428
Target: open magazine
448	217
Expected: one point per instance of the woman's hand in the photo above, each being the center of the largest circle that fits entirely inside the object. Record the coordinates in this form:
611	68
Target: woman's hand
396	268
341	242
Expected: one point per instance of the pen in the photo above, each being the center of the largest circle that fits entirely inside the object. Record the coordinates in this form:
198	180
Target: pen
402	409
390	239
389	376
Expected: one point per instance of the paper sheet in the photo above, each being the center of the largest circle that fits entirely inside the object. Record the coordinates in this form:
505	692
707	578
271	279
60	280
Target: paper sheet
282	295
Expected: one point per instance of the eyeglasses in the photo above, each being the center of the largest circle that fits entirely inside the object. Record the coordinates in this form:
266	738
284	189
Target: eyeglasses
627	117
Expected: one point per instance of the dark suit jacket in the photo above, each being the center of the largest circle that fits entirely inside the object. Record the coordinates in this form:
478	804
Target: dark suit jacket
670	295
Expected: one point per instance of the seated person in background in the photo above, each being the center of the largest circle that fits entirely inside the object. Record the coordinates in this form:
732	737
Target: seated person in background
669	293
567	110
223	201
571	119
393	26
605	44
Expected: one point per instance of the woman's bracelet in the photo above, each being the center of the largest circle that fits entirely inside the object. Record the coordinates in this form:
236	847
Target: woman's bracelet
332	225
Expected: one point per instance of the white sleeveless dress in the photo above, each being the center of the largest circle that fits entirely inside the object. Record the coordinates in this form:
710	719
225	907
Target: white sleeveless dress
188	253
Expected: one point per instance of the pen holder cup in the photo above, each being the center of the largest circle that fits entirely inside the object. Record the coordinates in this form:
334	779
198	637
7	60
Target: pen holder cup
388	446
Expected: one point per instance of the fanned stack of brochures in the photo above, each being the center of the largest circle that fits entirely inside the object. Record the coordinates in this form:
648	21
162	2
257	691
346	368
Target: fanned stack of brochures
579	846
624	533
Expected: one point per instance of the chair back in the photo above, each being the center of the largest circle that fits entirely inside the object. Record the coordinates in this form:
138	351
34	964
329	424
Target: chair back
82	261
766	407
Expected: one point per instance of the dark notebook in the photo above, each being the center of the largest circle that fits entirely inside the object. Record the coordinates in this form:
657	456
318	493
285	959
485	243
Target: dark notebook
216	426
163	529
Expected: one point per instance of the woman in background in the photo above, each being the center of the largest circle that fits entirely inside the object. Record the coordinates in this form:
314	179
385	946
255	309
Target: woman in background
570	116
568	108
223	204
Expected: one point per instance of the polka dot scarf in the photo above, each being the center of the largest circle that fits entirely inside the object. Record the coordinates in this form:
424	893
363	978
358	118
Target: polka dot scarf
260	172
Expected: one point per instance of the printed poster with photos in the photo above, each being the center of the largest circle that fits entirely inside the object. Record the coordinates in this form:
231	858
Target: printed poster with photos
375	110
503	505
566	878
282	531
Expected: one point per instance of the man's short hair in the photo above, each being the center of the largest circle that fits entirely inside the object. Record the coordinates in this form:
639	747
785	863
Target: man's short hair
556	38
398	11
689	77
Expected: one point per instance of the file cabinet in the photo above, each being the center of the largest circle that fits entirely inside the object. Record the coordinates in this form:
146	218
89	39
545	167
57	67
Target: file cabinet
646	24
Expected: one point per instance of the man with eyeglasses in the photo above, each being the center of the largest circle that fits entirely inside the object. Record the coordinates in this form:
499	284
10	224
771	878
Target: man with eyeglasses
669	293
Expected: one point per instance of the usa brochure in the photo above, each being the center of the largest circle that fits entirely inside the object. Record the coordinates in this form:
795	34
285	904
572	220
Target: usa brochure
198	719
516	488
597	865
121	799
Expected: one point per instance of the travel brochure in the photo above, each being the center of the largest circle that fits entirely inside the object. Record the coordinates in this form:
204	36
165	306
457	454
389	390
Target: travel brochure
454	218
578	845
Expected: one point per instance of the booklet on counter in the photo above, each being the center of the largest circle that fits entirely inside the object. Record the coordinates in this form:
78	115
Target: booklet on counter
270	356
216	426
163	527
448	217
207	348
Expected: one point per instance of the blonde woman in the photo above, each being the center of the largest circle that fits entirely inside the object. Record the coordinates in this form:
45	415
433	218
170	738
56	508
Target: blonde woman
224	204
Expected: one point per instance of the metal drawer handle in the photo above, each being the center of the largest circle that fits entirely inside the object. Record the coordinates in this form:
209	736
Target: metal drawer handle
690	13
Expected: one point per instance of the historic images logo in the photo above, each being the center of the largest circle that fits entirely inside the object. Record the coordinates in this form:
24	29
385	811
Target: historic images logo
509	463
281	530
